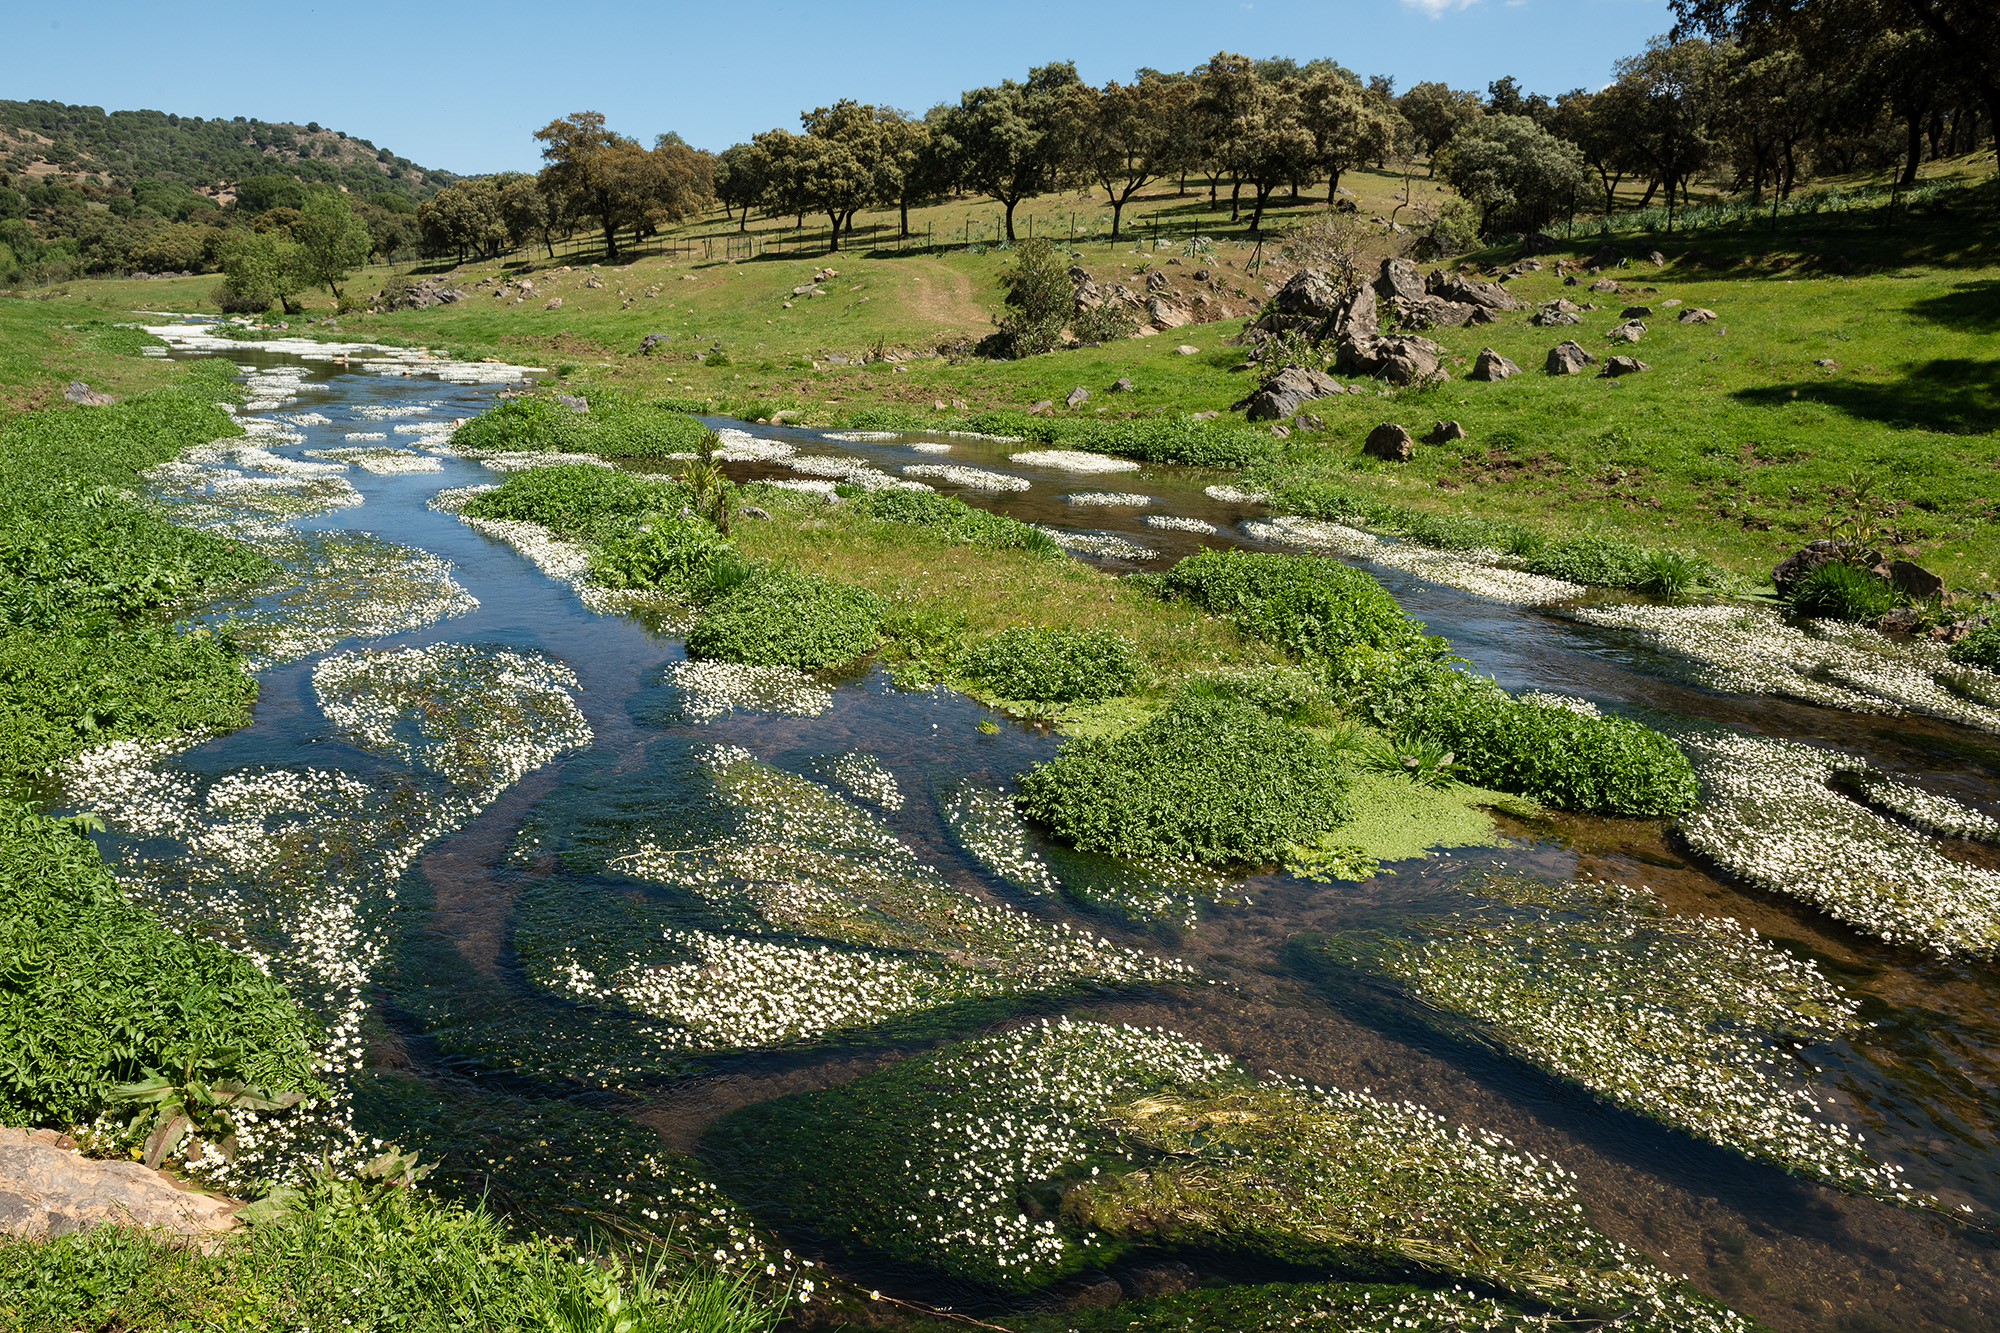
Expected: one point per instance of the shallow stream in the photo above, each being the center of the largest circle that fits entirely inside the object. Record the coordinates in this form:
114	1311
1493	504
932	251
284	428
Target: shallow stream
469	806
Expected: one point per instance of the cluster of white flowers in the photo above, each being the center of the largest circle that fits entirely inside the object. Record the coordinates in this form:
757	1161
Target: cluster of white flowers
823	489
1932	813
985	823
1130	499
711	689
1104	544
454	498
971	478
1075	460
866	778
367	435
1693	1021
502	460
852	471
382	461
1550	699
1481	573
742	447
308	419
365	357
564	561
1771	817
1176	523
1753	651
929	446
863	436
387	411
1235	495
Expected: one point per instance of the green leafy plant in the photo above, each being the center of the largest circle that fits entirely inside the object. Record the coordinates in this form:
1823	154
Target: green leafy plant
616	426
168	1108
580	500
1313	606
1981	648
1840	591
672	552
781	617
928	640
1054	665
950	517
1422	760
1210	780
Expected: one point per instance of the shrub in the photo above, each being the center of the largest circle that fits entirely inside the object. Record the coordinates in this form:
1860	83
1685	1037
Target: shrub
579	499
1608	562
1039	298
780	617
1561	756
98	993
1214	780
1839	591
1103	323
1314	606
1981	648
1054	665
954	520
671	553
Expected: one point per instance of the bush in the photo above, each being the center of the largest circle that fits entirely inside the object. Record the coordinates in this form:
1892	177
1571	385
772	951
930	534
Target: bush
1558	755
616	426
1315	607
1056	666
1039	297
780	617
1839	591
231	300
954	520
1103	323
672	553
579	499
1981	648
98	993
1213	780
1606	562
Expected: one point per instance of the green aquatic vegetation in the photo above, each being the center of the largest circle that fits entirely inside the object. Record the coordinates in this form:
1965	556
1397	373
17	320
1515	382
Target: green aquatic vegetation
616	426
1840	591
1981	648
99	994
1043	665
671	553
952	519
1209	780
1551	749
1313	606
1066	1145
782	617
579	500
1692	1021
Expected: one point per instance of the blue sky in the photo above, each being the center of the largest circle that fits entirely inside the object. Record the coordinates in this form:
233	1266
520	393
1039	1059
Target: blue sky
463	86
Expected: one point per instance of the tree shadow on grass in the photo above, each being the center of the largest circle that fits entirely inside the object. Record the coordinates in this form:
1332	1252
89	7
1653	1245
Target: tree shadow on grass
1970	307
1950	395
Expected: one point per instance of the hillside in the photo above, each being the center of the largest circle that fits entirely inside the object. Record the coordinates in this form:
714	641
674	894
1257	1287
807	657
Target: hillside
122	148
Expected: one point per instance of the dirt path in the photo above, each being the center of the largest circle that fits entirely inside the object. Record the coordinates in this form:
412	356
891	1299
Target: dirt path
935	292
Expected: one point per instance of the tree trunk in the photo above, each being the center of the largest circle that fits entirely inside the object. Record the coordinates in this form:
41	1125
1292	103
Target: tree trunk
1263	195
1914	151
1652	188
1235	198
1935	131
1117	211
1332	185
1010	216
904	204
833	219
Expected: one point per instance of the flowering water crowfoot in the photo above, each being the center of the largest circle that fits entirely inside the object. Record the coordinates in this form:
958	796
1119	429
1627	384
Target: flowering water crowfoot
865	778
1074	460
1476	572
1062	1145
709	689
971	478
1769	816
1692	1021
382	461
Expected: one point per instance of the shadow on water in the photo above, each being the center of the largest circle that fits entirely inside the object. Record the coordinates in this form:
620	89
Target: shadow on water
522	1092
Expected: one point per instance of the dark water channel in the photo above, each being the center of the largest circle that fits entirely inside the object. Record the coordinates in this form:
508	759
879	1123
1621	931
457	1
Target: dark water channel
456	1014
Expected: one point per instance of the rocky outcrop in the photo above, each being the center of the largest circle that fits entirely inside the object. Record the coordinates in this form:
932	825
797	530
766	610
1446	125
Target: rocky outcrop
1471	291
1568	359
1163	313
423	293
1432	312
1491	366
84	396
1390	442
1557	312
1399	358
1445	432
1355	317
1287	391
47	1190
1630	331
1399	277
1697	315
1622	365
1787	572
1310	291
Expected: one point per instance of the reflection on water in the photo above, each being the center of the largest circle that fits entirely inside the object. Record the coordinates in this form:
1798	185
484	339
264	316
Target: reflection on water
550	1003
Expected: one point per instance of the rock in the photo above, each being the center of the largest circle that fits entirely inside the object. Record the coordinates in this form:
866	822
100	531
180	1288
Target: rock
652	340
1168	1279
1425	312
1045	405
1121	385
1355	316
1403	358
1201	275
1656	259
1186	350
1636	312
1491	367
1399	277
1560	311
1534	243
1310	291
752	511
573	403
1827	363
1668	305
1077	273
1608	256
554	303
1445	432
46	1190
1471	291
1165	314
1630	331
1959	629
1622	365
1156	281
1285	392
1390	443
1077	395
1568	359
1902	620
1917	582
1307	421
419	294
81	393
1604	285
1696	315
1812	555
1085	1291
1280	431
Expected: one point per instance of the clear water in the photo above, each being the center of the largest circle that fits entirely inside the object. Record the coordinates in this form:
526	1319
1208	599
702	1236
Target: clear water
545	1102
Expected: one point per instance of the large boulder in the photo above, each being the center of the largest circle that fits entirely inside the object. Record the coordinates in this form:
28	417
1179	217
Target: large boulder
1310	291
1389	442
1433	312
47	1190
1630	331
84	396
1568	359
1399	358
423	293
1287	391
1622	365
1794	567
1399	277
1355	317
1491	367
1696	315
1163	313
1471	291
1913	580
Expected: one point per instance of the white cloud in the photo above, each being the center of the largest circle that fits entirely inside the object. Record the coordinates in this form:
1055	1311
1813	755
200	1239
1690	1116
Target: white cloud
1437	9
